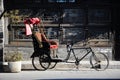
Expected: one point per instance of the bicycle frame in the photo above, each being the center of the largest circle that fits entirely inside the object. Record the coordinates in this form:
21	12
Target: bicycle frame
71	50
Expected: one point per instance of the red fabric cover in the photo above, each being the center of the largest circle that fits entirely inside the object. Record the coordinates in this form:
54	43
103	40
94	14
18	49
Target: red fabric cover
53	46
28	29
30	21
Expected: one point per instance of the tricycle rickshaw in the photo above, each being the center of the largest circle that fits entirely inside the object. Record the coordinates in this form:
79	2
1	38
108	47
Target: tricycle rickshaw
41	57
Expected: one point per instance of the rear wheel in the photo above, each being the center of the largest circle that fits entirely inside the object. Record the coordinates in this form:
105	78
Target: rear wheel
53	64
99	61
45	61
36	63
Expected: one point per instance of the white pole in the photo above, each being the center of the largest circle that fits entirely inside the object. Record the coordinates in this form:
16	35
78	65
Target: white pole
2	26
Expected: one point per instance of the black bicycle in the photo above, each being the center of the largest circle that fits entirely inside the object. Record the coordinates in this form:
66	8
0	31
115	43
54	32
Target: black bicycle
99	61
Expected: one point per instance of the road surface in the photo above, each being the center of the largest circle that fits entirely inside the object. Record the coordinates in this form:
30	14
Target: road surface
67	74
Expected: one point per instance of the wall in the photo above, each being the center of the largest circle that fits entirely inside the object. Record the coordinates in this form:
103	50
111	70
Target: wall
61	52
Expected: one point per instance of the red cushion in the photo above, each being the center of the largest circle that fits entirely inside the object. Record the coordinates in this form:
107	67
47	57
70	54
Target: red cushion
53	46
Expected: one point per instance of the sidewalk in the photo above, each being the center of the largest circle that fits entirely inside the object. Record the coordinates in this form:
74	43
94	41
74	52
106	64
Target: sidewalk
65	71
63	65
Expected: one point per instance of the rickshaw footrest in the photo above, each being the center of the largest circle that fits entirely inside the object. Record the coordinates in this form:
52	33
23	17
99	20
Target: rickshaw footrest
56	60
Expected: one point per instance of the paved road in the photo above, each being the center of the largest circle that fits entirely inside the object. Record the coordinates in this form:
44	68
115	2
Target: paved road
68	74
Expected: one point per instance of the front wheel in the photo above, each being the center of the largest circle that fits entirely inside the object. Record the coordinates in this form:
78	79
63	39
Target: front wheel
99	61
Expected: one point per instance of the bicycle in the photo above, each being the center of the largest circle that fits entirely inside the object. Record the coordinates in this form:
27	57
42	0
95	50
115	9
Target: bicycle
99	61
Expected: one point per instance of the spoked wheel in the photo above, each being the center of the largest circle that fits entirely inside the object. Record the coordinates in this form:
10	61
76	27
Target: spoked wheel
36	63
99	61
45	61
53	64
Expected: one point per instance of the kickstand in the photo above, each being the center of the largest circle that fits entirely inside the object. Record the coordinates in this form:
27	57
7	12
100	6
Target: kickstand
77	67
77	64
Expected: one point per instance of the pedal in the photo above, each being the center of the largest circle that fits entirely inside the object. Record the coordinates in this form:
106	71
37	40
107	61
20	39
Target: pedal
97	66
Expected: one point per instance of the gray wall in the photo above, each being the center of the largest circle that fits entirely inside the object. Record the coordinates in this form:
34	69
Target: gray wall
61	52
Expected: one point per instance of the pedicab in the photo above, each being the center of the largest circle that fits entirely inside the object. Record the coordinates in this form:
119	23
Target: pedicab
43	46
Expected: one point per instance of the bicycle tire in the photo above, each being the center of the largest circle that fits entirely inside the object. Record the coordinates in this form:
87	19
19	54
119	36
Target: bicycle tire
99	61
45	61
53	64
36	63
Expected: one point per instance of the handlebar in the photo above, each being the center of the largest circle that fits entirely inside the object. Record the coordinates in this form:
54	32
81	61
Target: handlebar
69	46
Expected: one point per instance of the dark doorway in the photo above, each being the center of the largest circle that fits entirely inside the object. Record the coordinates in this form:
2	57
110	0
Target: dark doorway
117	45
116	24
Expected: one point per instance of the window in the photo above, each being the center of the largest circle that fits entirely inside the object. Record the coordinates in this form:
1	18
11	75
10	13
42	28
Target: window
98	33
73	16
19	33
52	33
73	34
99	16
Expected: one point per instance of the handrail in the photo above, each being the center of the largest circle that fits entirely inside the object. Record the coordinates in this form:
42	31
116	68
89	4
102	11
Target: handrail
2	14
